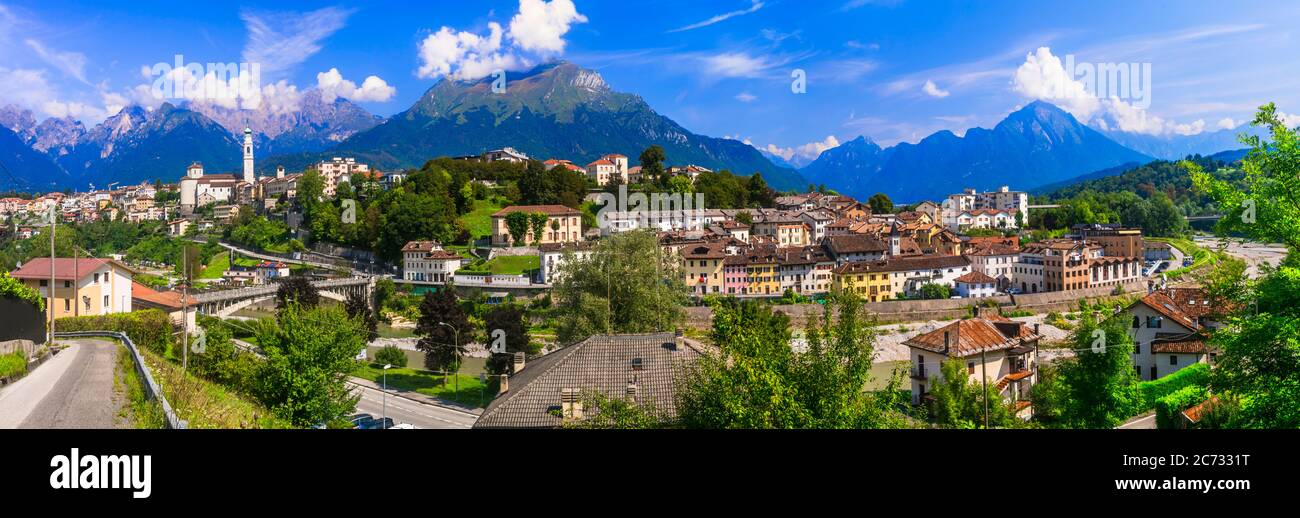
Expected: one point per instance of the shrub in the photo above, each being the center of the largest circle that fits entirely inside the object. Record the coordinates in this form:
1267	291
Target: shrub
150	329
1153	390
1169	406
13	364
15	289
391	355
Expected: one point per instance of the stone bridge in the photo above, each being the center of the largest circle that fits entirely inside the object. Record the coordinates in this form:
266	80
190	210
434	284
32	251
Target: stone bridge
226	303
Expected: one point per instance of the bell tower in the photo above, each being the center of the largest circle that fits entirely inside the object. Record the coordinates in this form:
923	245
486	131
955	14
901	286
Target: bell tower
248	155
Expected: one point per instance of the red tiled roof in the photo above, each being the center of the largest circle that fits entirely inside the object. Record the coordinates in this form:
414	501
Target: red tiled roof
976	278
1166	306
169	300
972	336
65	268
549	210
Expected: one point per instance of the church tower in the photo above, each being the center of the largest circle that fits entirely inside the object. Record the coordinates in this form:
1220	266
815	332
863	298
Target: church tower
248	155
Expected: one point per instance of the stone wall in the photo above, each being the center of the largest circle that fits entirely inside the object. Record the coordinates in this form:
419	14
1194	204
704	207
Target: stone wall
895	311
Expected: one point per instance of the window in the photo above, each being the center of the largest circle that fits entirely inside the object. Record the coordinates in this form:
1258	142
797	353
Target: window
1173	359
1137	322
105	302
970	367
1137	348
45	283
1138	370
67	284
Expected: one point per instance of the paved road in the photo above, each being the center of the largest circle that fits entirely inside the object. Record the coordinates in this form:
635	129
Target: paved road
1145	422
72	390
407	411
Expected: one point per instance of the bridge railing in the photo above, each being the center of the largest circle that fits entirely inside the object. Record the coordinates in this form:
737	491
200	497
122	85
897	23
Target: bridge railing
151	388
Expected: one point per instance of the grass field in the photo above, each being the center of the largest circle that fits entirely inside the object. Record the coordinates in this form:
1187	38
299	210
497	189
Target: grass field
463	388
1200	256
479	220
217	266
205	404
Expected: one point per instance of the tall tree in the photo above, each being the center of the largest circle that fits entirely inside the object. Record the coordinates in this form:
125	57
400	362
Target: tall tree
959	402
1259	343
296	290
881	204
652	163
508	318
444	330
1100	382
357	308
626	285
309	356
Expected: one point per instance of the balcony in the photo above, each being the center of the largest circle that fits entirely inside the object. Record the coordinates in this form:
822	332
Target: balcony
919	374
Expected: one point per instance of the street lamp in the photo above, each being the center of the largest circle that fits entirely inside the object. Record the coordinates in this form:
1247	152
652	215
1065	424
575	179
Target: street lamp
456	353
384	416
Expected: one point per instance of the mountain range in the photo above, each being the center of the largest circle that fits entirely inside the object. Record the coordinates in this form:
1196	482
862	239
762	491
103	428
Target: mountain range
557	110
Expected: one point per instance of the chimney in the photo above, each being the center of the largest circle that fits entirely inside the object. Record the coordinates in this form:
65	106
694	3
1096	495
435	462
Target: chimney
947	342
679	340
505	384
571	403
631	391
519	362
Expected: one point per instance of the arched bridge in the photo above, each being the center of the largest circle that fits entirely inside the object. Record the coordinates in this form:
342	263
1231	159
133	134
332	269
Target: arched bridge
226	303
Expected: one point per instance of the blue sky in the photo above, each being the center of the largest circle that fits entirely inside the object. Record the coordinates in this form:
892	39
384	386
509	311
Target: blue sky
893	70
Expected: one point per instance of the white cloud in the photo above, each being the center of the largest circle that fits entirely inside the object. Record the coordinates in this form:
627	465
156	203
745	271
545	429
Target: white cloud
280	41
1227	123
746	97
754	6
332	85
540	26
1290	120
805	153
737	64
933	90
1043	77
537	29
71	63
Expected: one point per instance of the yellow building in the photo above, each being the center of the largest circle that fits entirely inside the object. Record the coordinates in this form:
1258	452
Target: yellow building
761	277
701	267
860	278
102	286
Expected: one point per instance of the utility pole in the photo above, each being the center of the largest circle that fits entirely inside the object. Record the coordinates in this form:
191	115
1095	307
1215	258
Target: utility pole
985	367
76	280
53	223
185	317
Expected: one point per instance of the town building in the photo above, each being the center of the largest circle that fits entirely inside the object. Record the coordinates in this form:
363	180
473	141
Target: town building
563	225
1170	330
975	285
555	389
82	286
428	262
555	255
996	351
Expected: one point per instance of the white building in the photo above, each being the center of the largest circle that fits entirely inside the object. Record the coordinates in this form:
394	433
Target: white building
427	262
975	285
1168	328
338	170
971	209
555	255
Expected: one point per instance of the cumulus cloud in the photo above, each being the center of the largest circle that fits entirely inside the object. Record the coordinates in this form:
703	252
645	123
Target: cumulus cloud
933	90
1227	123
332	85
1043	77
537	30
540	26
746	97
805	153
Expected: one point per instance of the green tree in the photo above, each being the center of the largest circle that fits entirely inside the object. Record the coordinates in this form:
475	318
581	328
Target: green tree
959	401
626	285
760	195
1100	383
518	223
757	380
881	204
509	318
444	331
652	163
1259	343
391	355
537	224
935	291
357	308
680	185
296	291
606	413
309	356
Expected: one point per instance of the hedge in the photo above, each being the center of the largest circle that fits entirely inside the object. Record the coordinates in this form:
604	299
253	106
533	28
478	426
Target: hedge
1198	374
1169	406
15	289
151	328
